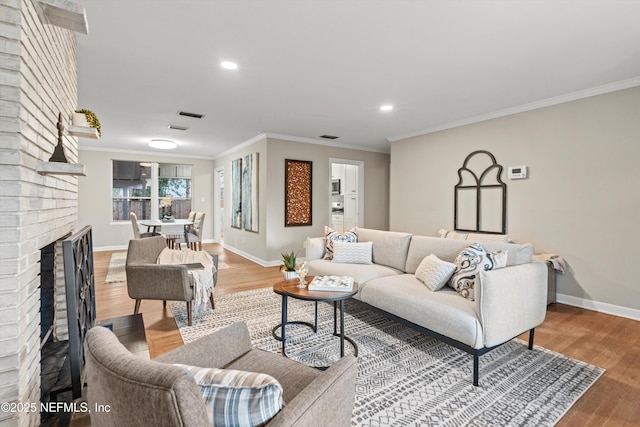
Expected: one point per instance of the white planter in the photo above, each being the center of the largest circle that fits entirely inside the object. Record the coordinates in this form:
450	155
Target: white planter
79	119
289	275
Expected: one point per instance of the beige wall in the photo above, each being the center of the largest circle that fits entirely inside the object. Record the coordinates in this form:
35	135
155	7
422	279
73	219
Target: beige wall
94	195
581	200
273	237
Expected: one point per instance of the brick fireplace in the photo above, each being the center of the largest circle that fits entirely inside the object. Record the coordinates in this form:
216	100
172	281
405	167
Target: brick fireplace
38	81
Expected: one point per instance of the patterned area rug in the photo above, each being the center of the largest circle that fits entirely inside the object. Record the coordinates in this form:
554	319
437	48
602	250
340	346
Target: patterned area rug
404	377
116	272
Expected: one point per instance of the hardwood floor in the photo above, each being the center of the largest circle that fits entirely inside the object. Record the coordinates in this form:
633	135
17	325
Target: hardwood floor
603	340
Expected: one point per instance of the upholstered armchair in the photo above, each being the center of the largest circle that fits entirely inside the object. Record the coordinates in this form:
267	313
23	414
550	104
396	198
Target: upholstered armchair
145	392
148	280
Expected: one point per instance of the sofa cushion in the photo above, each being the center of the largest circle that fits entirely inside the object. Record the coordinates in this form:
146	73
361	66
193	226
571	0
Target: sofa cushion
331	236
443	311
448	250
389	247
362	273
236	397
469	263
434	272
353	253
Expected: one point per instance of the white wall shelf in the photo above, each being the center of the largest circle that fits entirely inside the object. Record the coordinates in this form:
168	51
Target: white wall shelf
83	132
65	14
59	168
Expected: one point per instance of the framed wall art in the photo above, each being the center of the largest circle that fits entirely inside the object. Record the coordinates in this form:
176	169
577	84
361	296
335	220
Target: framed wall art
250	192
236	193
297	192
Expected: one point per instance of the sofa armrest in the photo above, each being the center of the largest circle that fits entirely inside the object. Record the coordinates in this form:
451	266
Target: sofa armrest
511	301
314	248
159	282
214	350
326	401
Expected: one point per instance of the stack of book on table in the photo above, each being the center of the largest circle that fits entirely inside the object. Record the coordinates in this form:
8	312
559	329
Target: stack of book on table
332	283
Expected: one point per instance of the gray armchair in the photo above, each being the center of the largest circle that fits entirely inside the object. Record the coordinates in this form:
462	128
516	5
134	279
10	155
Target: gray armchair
144	392
148	280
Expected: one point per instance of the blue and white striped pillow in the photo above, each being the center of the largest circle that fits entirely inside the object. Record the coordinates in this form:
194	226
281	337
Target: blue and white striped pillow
237	398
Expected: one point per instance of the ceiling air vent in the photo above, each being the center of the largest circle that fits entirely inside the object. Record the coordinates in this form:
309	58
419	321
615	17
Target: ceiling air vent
176	127
194	115
329	137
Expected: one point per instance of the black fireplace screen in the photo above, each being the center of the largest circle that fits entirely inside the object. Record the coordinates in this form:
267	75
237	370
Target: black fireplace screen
81	302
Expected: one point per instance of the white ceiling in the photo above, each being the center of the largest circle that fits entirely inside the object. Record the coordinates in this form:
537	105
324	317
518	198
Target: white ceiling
308	68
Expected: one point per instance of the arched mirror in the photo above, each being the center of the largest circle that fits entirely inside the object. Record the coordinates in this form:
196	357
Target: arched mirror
480	195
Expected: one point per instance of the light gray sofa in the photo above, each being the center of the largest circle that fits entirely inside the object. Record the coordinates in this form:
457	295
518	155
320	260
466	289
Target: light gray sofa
508	301
156	393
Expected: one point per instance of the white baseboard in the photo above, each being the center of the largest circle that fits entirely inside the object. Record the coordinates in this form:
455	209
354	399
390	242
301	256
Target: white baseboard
111	248
250	257
602	307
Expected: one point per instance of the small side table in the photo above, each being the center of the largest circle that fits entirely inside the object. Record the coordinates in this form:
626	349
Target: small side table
290	289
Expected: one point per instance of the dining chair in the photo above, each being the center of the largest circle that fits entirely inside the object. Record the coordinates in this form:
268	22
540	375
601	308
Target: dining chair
193	237
136	228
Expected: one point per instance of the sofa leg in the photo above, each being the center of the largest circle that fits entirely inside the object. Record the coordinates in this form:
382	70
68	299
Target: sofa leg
136	309
476	369
189	313
531	331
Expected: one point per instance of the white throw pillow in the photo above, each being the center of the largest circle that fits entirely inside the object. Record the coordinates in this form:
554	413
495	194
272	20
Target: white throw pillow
434	272
352	253
469	263
237	397
332	236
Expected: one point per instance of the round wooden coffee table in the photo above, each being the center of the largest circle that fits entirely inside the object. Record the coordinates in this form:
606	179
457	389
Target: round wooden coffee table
289	288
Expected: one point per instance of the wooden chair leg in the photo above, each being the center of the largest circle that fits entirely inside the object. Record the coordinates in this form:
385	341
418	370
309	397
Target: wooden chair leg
213	304
136	309
189	313
164	303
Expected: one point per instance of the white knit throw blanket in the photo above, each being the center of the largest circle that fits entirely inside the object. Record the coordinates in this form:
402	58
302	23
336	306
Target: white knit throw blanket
202	279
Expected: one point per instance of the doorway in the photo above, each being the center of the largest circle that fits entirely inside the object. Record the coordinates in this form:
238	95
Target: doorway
346	194
218	205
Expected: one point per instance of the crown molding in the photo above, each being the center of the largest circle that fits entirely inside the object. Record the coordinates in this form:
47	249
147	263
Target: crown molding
327	143
573	96
144	153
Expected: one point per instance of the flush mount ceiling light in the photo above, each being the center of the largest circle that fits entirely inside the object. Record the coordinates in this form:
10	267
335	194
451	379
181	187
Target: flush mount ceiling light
228	65
386	107
162	144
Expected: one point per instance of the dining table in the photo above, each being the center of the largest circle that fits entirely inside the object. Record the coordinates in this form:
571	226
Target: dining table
153	226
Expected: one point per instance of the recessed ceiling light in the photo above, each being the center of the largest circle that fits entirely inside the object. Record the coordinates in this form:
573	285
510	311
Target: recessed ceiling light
229	65
162	144
386	107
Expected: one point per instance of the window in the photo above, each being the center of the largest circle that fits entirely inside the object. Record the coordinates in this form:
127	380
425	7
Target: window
139	187
174	189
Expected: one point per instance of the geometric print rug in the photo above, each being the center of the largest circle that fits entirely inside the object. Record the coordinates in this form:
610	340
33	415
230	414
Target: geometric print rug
406	378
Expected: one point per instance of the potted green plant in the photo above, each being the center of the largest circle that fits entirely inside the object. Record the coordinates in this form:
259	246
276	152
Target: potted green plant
86	118
288	266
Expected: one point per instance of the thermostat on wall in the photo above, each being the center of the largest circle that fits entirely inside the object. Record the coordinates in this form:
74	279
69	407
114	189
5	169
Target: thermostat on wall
517	172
